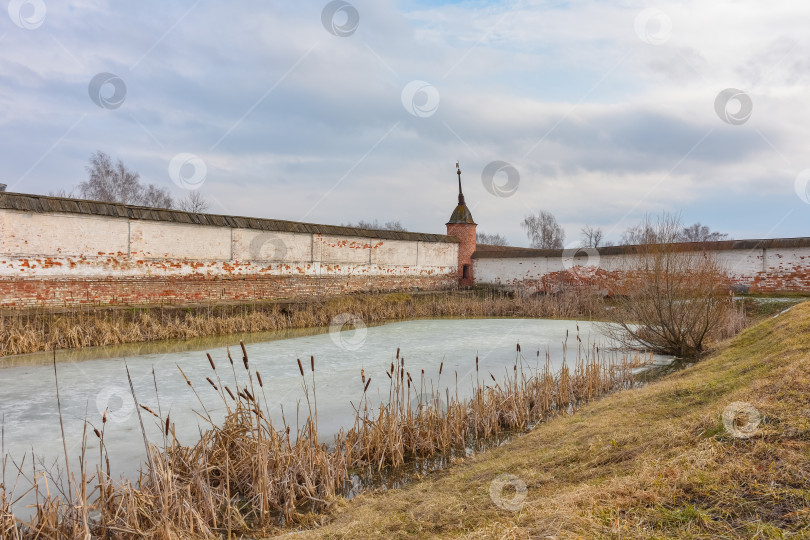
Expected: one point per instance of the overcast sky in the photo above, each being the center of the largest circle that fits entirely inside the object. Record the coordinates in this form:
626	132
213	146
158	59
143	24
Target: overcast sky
331	112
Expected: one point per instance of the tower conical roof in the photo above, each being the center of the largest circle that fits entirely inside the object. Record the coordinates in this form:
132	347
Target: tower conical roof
461	214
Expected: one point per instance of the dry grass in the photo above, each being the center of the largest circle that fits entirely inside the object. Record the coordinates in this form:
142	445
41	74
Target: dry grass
249	475
32	330
655	462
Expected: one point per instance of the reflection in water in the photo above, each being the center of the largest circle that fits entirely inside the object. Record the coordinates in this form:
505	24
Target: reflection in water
154	347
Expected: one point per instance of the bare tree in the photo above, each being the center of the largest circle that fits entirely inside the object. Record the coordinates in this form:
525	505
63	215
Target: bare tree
651	230
648	233
672	299
194	202
388	226
700	233
114	182
155	197
62	192
592	237
543	230
394	226
491	239
638	235
110	182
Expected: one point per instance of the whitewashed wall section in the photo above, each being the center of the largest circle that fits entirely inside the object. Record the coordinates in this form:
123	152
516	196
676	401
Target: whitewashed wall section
775	268
75	245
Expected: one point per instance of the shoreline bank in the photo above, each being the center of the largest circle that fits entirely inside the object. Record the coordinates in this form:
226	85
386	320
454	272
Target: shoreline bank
36	330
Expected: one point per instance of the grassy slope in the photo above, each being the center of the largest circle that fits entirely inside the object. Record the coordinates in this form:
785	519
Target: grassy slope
653	462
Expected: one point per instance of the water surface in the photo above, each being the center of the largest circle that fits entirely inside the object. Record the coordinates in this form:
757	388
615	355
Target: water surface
93	381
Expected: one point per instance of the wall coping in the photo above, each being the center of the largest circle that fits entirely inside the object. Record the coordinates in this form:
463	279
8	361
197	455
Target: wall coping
41	204
508	252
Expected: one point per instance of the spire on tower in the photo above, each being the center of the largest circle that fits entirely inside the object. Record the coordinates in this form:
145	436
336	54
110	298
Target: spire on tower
460	194
461	214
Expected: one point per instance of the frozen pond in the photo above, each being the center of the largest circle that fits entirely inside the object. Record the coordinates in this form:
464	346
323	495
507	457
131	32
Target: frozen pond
88	386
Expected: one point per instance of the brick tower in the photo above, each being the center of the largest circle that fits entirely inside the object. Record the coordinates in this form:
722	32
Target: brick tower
462	226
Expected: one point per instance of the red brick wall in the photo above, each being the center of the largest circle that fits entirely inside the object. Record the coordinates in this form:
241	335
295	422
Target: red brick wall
466	234
179	290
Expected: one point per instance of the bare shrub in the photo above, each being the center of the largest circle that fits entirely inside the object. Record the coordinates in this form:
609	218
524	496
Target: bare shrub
672	299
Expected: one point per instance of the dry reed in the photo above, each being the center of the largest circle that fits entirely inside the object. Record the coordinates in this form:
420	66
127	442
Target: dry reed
250	475
43	329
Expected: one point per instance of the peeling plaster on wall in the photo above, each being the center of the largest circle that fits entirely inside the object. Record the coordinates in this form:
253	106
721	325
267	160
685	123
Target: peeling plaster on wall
779	269
66	259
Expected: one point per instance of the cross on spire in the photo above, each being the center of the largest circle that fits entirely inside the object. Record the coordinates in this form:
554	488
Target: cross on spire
460	194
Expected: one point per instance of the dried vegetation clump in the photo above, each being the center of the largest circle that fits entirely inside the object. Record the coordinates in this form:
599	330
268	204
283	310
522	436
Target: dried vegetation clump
656	462
44	329
251	475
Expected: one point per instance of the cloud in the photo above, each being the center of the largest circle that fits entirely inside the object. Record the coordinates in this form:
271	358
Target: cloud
296	123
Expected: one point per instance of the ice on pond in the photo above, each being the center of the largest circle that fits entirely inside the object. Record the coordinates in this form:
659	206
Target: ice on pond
88	387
